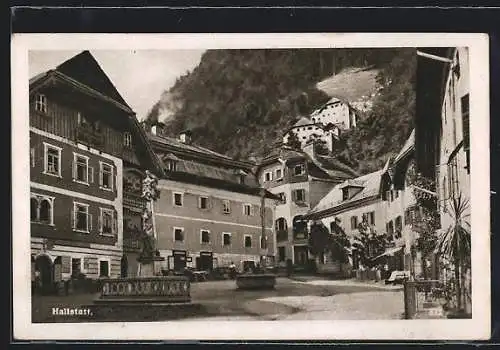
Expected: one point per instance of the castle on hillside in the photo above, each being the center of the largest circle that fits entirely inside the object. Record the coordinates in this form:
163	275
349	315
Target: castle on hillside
324	124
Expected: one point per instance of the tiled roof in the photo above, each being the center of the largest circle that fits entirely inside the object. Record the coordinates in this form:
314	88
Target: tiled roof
303	121
371	187
184	146
284	153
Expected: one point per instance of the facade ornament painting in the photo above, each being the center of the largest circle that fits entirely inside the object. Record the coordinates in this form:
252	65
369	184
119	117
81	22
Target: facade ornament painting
150	194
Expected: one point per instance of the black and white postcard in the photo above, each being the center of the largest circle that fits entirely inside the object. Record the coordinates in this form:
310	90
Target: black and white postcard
250	186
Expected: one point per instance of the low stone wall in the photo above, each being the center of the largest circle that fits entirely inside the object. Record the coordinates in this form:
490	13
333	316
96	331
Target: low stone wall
256	281
165	289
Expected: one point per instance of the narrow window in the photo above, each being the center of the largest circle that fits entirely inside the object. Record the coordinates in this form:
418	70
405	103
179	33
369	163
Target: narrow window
300	195
127	139
279	174
248	241
52	160
226	239
41	103
247	209
354	222
205	236
203	202
226	206
178	234
106	175
81	217
103	268
34	209
178	199
81	168
45	211
106	222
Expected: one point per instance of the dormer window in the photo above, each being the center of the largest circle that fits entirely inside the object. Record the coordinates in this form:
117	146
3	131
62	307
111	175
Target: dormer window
171	162
171	165
345	194
299	169
41	103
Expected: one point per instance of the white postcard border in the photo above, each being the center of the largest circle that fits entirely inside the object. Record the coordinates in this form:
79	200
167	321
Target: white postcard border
473	329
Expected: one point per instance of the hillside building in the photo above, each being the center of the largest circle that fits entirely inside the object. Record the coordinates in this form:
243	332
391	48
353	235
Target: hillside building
211	211
306	130
300	179
335	112
81	137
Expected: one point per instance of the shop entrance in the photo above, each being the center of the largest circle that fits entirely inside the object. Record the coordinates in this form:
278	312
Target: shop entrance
180	258
205	261
300	255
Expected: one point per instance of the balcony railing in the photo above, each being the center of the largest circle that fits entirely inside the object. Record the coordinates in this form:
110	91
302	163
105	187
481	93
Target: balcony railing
88	135
298	235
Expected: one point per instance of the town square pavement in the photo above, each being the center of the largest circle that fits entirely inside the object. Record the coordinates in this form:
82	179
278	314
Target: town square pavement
292	299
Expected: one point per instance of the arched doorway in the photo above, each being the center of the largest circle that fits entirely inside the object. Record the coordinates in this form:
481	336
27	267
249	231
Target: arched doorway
124	266
43	264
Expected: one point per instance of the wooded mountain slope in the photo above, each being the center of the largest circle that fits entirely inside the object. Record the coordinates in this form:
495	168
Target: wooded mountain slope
238	102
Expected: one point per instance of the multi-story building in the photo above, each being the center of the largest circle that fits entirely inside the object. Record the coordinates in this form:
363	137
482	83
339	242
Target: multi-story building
80	128
442	124
442	130
300	179
335	112
211	210
347	205
306	130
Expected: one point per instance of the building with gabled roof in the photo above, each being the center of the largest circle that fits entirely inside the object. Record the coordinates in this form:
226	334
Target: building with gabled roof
83	138
300	178
211	211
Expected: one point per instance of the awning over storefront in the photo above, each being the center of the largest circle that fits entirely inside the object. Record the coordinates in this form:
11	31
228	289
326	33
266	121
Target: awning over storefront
389	252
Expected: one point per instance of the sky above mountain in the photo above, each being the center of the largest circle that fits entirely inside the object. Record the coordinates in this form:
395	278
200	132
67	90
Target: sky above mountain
139	75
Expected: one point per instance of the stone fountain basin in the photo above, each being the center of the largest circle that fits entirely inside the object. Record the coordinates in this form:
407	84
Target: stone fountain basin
256	281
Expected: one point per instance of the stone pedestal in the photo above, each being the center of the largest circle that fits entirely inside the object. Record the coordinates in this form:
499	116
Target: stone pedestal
149	267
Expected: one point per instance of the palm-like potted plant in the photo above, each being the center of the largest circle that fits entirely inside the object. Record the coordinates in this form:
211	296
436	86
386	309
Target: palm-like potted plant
455	244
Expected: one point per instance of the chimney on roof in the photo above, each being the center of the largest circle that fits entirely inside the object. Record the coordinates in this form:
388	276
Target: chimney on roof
185	136
146	126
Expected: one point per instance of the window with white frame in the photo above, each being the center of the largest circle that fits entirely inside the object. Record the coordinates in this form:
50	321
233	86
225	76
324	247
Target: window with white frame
127	139
42	209
103	268
107	222
226	206
204	236
80	168
248	241
178	234
268	176
299	169
248	209
82	219
52	160
226	239
279	174
41	103
178	199
106	176
299	195
76	266
203	202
